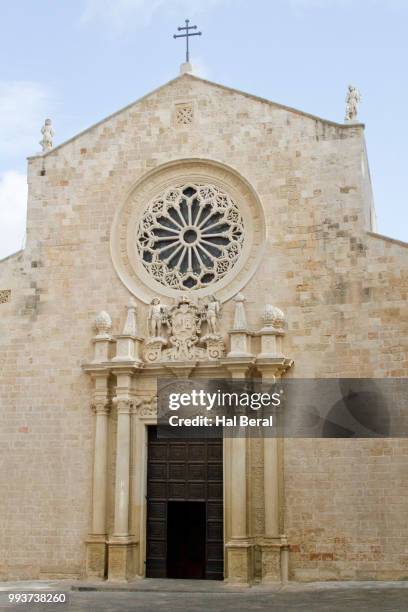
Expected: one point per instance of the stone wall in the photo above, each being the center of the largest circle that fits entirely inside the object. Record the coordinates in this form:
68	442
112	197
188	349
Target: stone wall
344	292
345	500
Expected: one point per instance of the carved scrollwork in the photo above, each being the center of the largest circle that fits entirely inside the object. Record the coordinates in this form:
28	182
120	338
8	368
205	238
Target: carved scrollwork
145	406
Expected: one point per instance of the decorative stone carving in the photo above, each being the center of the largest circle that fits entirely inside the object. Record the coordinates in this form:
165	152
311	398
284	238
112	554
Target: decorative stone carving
157	316
184	114
240	321
5	295
272	332
123	404
273	317
145	406
184	321
215	347
190	236
128	343
130	327
239	334
48	134
153	349
103	324
157	252
353	99
99	406
213	313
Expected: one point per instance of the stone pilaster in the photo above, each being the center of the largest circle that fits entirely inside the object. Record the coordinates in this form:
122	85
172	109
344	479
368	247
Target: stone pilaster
120	543
96	557
240	546
274	547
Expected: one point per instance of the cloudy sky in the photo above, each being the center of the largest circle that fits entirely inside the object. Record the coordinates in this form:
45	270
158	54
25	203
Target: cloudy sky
80	60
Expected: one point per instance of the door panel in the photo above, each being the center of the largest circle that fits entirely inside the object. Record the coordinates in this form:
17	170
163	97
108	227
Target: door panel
184	486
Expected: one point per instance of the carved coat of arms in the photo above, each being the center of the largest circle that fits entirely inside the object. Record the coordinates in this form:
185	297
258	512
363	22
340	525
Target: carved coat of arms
184	321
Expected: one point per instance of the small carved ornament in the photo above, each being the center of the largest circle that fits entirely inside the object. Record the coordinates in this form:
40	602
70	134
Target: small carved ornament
103	324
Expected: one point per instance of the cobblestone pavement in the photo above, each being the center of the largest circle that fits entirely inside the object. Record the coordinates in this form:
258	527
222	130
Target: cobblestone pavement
194	596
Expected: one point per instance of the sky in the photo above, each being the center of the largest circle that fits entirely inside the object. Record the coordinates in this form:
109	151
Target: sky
78	61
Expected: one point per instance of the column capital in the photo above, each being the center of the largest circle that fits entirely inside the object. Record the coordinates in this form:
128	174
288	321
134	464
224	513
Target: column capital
123	405
100	406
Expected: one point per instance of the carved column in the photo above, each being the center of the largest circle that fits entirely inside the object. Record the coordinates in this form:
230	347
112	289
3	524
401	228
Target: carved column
239	547
96	544
271	542
121	523
271	364
120	544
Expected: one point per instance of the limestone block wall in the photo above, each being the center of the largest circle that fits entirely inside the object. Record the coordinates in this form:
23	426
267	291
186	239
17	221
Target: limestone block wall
343	290
345	500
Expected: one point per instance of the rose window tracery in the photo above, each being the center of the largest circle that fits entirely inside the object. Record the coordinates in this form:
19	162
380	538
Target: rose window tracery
190	236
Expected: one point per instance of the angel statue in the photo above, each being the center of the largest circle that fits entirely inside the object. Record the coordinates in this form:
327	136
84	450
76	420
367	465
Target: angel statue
213	314
48	134
155	317
353	99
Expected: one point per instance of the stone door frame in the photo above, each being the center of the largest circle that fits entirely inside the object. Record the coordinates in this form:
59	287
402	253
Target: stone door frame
139	477
123	549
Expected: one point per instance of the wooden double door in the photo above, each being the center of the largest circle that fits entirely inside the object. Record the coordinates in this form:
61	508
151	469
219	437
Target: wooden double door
184	508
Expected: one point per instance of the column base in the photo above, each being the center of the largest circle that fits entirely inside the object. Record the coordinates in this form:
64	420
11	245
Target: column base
121	559
274	560
96	557
240	562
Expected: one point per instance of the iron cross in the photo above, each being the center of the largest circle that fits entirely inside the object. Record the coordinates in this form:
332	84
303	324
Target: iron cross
187	35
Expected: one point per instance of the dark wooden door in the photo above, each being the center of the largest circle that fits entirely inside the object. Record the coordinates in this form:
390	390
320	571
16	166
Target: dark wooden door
184	471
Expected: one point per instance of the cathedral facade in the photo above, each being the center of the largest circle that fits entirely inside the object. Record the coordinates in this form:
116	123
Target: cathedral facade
200	232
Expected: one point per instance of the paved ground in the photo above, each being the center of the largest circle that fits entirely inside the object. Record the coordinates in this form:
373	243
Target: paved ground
194	596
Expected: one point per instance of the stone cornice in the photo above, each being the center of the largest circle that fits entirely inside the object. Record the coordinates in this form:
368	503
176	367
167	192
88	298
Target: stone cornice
274	365
112	367
238	366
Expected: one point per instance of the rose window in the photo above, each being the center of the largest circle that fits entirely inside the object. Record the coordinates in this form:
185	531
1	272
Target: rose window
190	236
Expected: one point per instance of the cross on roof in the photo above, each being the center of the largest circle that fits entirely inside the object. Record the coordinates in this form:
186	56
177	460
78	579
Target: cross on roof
187	35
